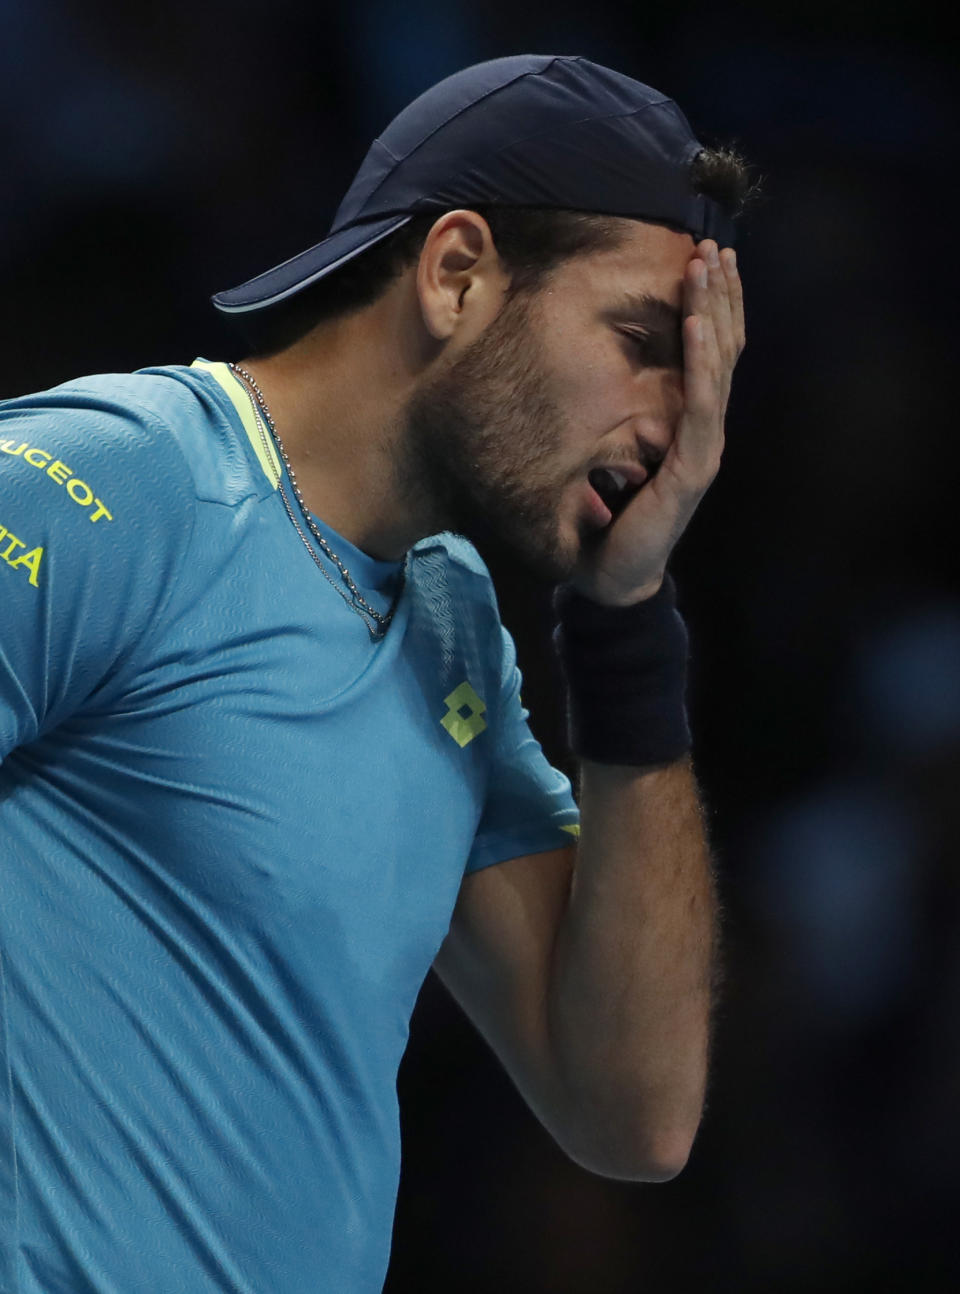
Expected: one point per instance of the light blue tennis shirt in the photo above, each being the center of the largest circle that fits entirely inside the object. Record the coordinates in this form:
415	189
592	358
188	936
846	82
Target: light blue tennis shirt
232	832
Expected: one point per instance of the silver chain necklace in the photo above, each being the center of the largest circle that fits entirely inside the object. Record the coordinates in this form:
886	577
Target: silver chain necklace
379	624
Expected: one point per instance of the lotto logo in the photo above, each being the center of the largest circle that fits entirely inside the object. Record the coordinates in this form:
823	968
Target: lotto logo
464	718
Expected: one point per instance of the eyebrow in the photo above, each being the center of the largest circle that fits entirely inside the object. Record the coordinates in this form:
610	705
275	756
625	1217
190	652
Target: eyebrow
650	311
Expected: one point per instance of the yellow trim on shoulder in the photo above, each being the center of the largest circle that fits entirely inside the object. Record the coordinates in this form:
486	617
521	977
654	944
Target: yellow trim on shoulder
573	828
266	455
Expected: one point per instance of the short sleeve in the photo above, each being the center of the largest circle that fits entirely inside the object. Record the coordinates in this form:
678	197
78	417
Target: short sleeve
530	806
96	509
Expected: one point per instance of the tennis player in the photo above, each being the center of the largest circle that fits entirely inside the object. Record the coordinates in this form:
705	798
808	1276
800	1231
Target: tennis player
264	755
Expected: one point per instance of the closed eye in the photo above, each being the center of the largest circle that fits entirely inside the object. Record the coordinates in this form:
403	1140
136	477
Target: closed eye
656	349
640	337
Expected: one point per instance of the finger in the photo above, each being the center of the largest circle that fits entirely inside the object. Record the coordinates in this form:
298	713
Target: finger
702	304
720	303
728	258
699	379
699	440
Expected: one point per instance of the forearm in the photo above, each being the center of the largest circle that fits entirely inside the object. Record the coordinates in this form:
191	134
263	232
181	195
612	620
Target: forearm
630	988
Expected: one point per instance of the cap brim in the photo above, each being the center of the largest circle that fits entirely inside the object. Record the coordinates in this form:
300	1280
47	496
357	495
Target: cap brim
286	280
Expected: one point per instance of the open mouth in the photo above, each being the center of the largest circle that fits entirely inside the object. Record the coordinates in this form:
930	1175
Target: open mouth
614	488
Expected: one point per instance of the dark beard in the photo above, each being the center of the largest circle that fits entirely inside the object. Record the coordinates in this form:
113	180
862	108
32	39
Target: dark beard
480	440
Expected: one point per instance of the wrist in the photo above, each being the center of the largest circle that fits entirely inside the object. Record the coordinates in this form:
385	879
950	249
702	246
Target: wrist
642	594
626	671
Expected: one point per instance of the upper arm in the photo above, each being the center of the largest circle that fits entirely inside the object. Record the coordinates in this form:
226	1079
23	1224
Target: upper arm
497	955
529	806
92	521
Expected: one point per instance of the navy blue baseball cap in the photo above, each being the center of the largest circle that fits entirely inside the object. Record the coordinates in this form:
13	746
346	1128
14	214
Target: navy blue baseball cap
529	131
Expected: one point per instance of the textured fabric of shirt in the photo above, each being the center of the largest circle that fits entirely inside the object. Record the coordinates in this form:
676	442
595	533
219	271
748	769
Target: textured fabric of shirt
232	832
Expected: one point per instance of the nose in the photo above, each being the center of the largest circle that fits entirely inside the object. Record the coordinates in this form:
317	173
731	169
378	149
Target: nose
657	421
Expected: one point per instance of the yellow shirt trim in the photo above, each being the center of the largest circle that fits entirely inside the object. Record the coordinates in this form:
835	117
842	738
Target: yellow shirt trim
266	454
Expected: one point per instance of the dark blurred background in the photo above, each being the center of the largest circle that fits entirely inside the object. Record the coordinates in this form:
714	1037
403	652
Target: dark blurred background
151	155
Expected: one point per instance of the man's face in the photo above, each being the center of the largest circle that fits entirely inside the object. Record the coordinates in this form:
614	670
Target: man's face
585	373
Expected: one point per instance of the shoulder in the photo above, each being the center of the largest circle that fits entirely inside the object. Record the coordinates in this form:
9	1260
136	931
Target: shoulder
107	428
91	451
457	553
454	593
165	431
91	476
215	433
448	571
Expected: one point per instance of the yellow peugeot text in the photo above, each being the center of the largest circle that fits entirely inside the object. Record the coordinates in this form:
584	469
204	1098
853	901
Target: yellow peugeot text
58	471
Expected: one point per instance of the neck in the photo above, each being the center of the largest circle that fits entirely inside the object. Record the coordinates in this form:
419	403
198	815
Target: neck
337	399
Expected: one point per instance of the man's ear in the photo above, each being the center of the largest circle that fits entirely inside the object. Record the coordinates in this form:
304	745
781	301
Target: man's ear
460	281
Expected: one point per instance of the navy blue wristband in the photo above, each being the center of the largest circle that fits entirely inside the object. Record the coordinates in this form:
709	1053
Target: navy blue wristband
626	672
